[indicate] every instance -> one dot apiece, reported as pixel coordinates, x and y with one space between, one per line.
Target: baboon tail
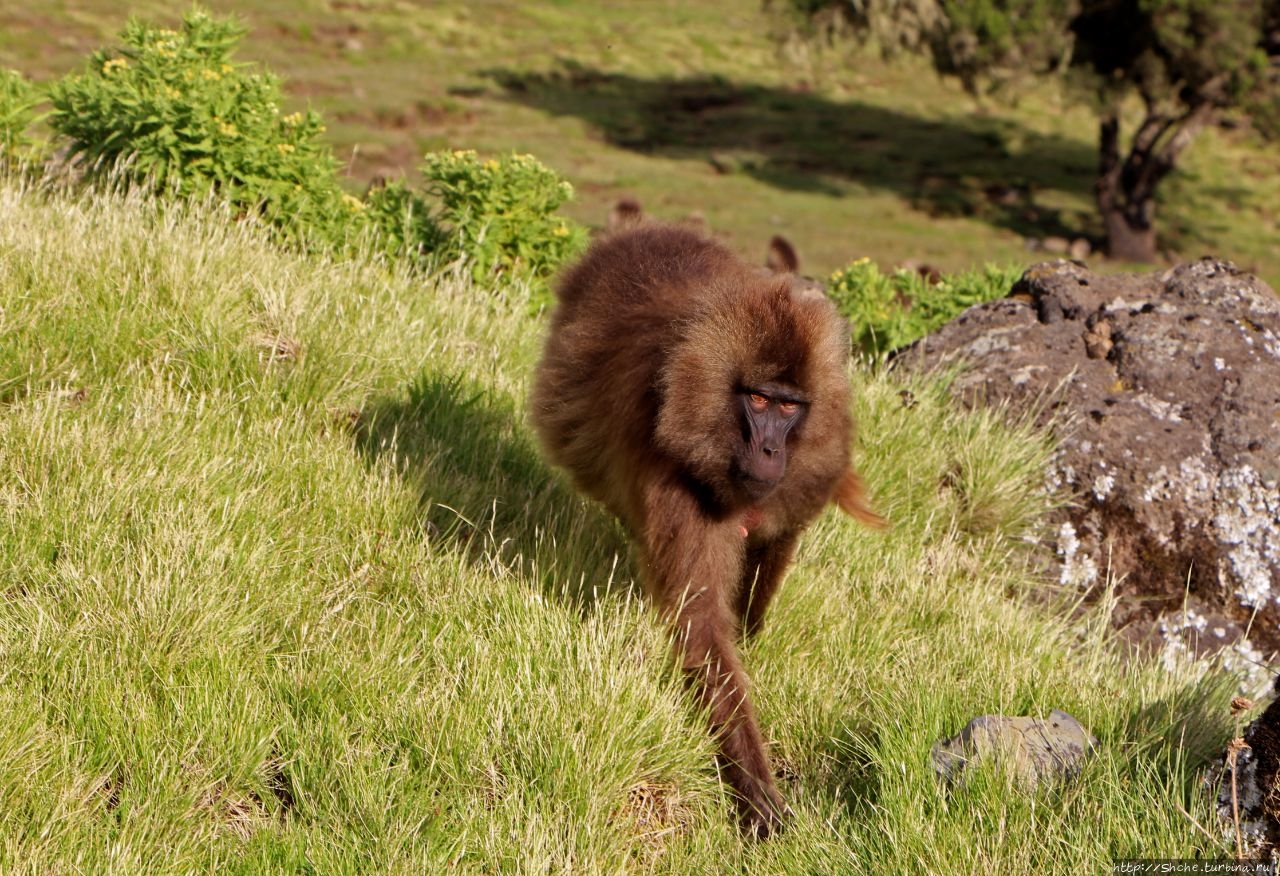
851 497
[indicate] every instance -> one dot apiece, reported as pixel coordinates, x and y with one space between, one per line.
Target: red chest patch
750 520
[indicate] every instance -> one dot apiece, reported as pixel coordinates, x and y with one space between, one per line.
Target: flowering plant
170 109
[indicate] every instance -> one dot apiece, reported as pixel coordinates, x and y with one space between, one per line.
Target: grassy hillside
286 588
692 107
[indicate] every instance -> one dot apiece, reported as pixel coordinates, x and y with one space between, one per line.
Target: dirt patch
421 114
385 161
653 812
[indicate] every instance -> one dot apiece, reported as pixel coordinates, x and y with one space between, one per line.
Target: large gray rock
1165 391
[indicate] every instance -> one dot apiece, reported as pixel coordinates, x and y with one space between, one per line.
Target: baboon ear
782 257
626 213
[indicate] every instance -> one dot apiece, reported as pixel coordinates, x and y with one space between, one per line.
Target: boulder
1164 389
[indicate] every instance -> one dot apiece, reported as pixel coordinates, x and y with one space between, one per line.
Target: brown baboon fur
657 332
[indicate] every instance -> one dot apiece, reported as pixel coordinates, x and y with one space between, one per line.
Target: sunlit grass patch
285 586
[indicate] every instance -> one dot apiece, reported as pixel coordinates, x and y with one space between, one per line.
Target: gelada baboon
705 403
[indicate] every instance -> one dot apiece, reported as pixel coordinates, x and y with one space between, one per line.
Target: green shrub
19 100
171 110
402 222
889 311
499 213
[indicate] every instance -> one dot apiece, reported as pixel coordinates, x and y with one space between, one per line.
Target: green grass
693 107
285 587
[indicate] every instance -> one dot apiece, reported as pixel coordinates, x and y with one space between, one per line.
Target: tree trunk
1126 189
1130 238
1126 196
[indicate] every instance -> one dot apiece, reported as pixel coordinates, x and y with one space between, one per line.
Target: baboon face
768 413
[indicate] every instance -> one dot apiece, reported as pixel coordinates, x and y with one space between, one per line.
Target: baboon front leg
693 569
693 566
762 572
703 632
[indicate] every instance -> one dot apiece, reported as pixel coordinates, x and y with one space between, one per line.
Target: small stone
1036 750
1097 340
1056 245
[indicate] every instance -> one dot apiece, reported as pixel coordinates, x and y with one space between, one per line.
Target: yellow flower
114 64
284 148
354 204
227 68
491 164
561 231
211 75
292 119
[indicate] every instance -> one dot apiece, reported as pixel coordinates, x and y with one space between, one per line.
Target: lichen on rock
1164 391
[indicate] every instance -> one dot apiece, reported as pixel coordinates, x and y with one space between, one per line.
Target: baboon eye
758 401
788 409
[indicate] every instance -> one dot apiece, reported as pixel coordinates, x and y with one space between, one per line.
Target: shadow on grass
483 487
848 769
1185 730
802 141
